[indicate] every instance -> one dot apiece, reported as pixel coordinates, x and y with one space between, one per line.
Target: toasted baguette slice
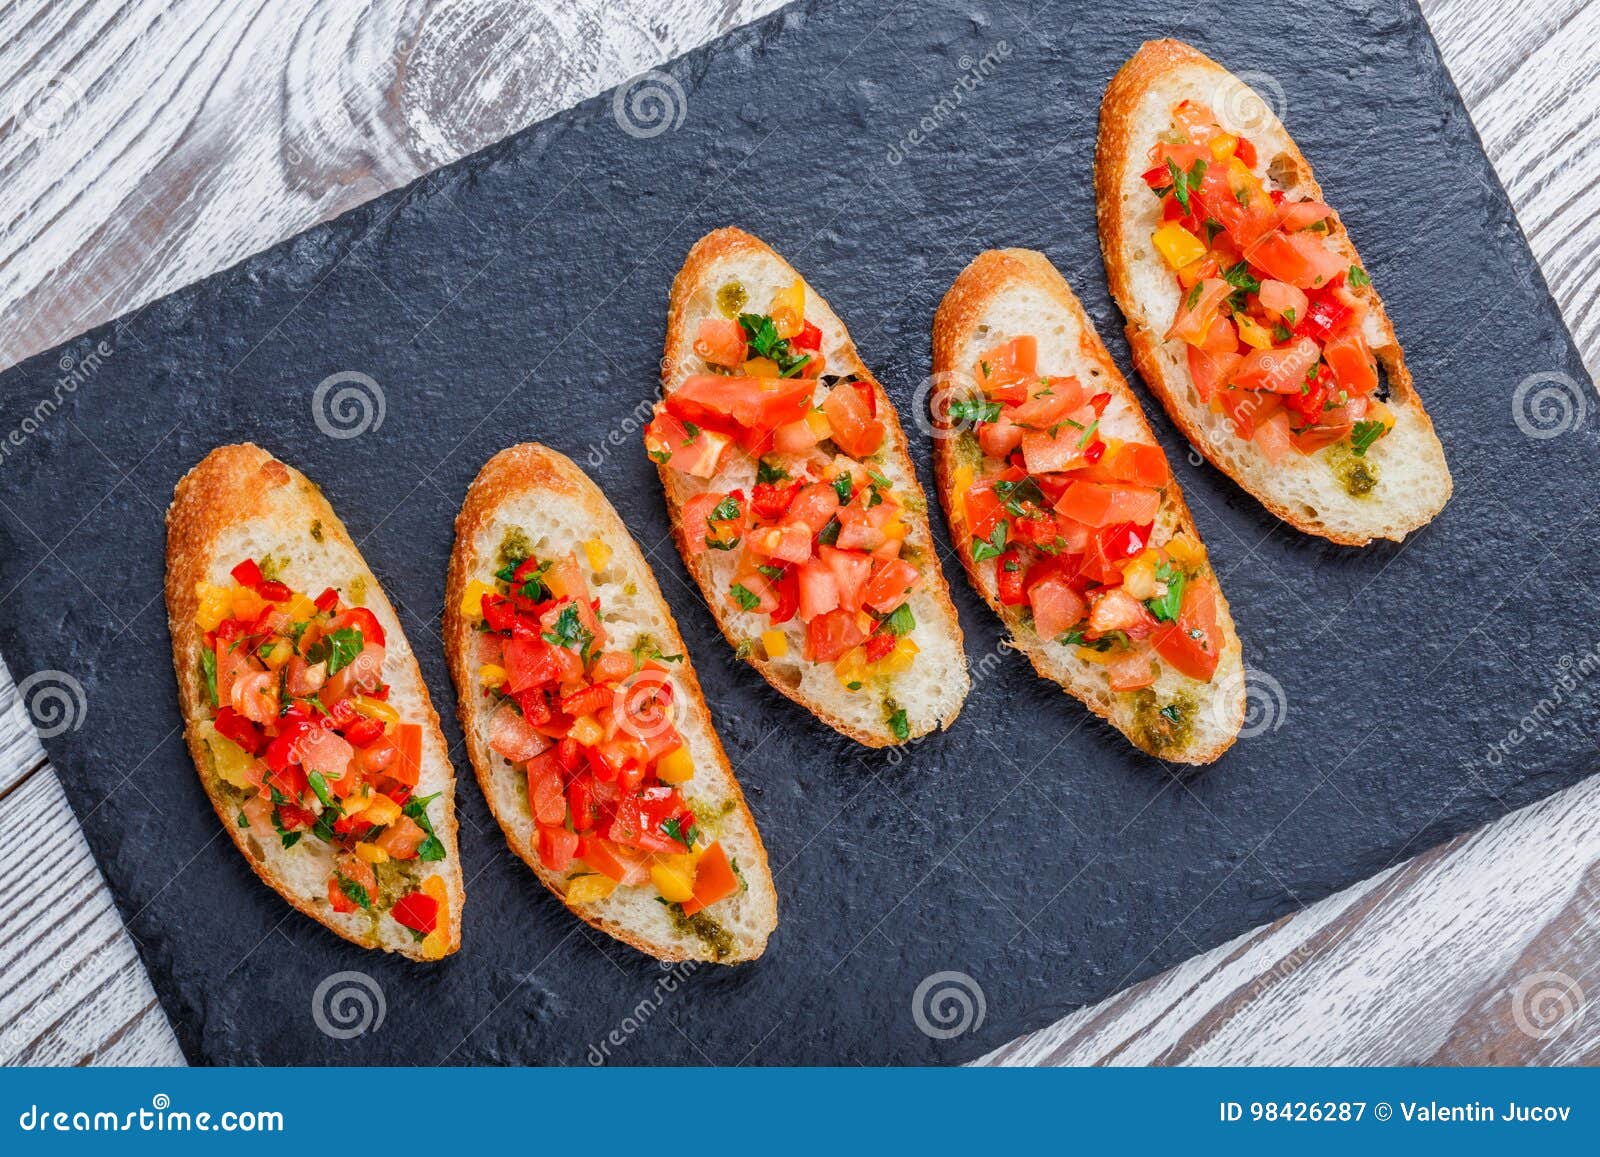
931 692
1402 482
534 494
242 503
1007 293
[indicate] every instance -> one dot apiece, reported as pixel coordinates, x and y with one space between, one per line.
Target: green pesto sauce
1159 727
710 933
1358 475
731 298
516 547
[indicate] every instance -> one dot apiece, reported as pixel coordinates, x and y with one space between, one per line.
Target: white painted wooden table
145 144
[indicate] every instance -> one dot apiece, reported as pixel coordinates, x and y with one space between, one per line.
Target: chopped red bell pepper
418 911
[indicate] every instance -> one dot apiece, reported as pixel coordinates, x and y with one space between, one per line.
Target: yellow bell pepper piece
895 528
1378 412
491 675
1090 655
437 942
1139 574
963 482
472 599
761 368
789 309
900 658
675 884
598 554
376 709
299 607
1177 246
247 605
372 853
381 810
276 652
216 604
1252 332
676 766
1186 551
586 731
775 644
1222 146
230 760
851 668
589 889
818 421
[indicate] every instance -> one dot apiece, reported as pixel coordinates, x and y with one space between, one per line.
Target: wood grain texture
146 144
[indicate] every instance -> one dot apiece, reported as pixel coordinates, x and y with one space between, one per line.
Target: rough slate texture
520 294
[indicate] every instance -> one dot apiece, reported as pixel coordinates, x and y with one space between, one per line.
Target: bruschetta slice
305 711
793 500
1067 517
1249 311
585 722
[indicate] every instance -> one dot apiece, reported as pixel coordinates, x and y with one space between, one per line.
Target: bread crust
706 254
1115 150
229 486
533 469
968 299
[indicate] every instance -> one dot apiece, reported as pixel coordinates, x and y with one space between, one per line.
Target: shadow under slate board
521 293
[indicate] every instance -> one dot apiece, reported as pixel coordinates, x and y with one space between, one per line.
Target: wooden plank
20 753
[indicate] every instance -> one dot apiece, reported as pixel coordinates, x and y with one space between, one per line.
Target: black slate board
520 294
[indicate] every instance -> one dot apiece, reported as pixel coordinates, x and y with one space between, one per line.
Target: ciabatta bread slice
1397 484
538 499
1010 293
242 503
886 710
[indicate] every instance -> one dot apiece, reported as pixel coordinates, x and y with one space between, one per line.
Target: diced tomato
230 724
247 574
362 620
809 338
1052 401
1298 215
417 911
362 731
832 634
557 848
721 342
532 662
1004 370
1325 315
1034 528
547 799
1247 408
788 542
407 767
889 586
998 438
1306 406
668 442
1351 361
1283 301
850 418
702 532
718 400
1099 504
324 750
984 508
1280 369
1272 435
1131 669
714 879
850 571
815 505
1057 608
1302 259
611 667
513 736
879 646
1111 545
1134 463
818 590
401 838
1314 438
1198 309
1009 572
1210 372
754 586
1045 453
1115 609
1193 644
